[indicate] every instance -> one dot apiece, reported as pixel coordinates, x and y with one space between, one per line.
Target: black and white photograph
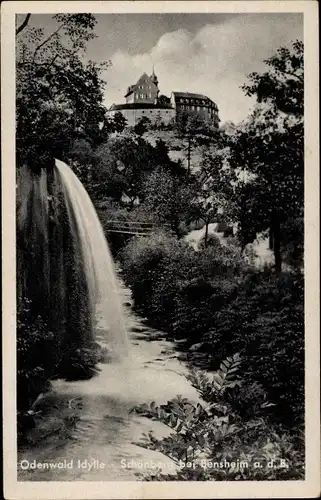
160 233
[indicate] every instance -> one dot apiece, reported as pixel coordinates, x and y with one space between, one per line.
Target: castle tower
154 78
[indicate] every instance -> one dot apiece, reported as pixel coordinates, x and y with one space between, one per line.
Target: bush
34 364
146 270
265 322
214 299
212 241
80 363
218 430
292 242
142 126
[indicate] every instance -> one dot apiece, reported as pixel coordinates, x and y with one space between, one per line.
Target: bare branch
24 24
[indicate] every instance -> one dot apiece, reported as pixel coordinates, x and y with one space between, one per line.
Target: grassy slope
177 146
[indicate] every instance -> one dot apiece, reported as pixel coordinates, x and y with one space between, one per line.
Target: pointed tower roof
154 77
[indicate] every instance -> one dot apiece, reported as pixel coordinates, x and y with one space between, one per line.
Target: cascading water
98 262
65 270
66 273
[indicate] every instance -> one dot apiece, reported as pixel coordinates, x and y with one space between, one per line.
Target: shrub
212 241
142 126
34 366
214 299
80 363
217 430
292 242
265 322
146 269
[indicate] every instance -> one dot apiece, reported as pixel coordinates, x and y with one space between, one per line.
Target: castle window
198 108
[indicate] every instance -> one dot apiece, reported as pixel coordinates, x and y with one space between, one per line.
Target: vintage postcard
160 249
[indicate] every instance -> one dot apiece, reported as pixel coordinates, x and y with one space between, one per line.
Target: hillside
177 146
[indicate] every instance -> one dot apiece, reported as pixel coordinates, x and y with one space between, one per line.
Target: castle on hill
142 100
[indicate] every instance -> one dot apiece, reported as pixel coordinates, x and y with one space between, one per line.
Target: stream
97 439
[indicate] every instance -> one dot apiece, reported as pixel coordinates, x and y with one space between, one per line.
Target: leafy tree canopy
283 84
269 149
59 95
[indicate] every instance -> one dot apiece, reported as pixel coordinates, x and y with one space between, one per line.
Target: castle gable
144 91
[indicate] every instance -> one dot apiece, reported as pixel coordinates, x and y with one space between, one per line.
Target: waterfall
98 262
65 271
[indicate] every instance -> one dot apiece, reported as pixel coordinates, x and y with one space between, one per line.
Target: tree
121 165
215 181
59 96
168 197
161 152
142 126
23 24
119 122
195 131
269 148
282 86
163 99
158 122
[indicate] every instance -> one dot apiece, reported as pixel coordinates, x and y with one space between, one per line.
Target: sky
210 54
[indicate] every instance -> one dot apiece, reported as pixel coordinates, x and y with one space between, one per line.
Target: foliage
214 183
216 430
213 298
292 242
58 97
163 99
119 122
195 131
269 149
126 164
121 164
80 363
37 365
142 126
282 86
144 260
212 241
169 196
265 322
34 368
30 337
